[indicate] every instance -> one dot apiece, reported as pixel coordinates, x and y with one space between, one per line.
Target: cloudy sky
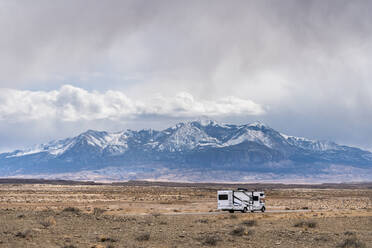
302 67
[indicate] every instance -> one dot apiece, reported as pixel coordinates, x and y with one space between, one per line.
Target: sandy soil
36 215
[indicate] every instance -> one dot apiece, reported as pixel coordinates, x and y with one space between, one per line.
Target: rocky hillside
196 147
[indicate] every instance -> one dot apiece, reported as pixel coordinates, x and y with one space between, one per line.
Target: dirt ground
42 215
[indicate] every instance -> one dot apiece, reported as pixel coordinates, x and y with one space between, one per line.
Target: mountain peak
206 122
92 132
258 124
196 123
202 145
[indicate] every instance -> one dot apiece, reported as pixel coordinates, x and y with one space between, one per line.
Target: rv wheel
263 209
231 211
244 210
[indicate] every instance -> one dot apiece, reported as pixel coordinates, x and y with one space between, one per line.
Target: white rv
241 200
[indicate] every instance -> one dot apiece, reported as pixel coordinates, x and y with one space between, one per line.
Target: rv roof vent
243 189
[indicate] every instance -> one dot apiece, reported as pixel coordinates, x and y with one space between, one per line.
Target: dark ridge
249 186
44 181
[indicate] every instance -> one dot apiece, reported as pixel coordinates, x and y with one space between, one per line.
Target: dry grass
352 242
155 214
25 234
249 223
204 221
130 214
50 221
303 223
106 239
238 231
211 240
143 237
98 211
71 210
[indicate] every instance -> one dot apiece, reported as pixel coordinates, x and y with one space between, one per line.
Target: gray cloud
307 61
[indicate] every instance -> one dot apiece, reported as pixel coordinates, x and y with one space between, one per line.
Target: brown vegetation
104 216
309 224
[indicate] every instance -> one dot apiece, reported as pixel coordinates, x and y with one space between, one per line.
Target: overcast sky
302 67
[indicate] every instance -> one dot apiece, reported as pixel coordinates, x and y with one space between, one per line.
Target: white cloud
309 61
71 104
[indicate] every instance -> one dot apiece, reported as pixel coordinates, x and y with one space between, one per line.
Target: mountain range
191 151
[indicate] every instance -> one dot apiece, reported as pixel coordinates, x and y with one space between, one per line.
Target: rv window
261 194
255 198
223 197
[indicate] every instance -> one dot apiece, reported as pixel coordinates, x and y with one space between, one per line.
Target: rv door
256 201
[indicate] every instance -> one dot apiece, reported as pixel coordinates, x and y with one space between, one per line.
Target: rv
241 200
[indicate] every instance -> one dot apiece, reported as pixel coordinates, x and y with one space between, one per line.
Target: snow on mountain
20 153
311 144
97 139
186 136
202 145
183 136
247 134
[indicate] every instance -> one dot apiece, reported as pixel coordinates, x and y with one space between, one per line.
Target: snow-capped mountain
196 147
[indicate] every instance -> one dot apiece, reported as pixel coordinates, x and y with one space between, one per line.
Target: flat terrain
46 215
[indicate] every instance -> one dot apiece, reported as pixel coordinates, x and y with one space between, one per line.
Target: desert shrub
204 221
233 216
107 239
312 224
352 242
143 237
24 234
163 223
238 231
50 221
305 208
155 214
98 211
348 233
299 224
20 216
309 224
249 223
211 240
321 239
71 209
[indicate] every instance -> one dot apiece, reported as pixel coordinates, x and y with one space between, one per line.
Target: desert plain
182 215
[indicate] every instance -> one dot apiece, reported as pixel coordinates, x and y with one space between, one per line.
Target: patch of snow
58 150
310 144
25 152
258 124
186 136
250 135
